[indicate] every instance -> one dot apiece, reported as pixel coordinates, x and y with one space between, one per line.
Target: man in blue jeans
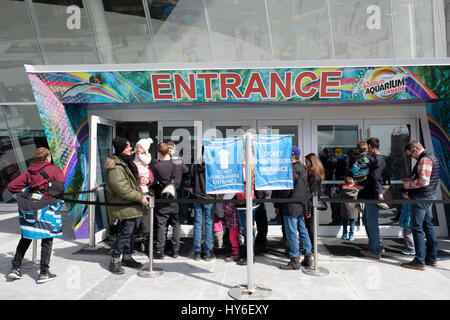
294 215
204 212
368 190
422 186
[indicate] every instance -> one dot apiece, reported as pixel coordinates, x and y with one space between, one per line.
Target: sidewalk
84 275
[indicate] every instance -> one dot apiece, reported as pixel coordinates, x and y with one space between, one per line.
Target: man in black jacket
294 215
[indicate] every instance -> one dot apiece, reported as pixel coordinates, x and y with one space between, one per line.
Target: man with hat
294 215
122 186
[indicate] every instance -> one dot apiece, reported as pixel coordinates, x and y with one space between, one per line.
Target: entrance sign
223 159
273 167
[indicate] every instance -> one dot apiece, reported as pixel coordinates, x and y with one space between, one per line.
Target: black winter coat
300 191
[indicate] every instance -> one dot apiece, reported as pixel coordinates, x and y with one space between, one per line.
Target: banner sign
224 168
273 157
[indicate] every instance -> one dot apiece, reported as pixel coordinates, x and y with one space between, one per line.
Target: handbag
170 191
322 206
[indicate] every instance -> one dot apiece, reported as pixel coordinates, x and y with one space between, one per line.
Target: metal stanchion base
156 272
241 293
320 271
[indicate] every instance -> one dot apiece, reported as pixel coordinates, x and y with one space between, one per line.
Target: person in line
35 180
294 215
218 223
122 186
421 185
167 170
405 223
142 161
204 212
231 222
262 226
360 169
368 190
349 211
316 173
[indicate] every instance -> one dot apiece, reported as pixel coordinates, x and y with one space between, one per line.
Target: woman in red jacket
34 179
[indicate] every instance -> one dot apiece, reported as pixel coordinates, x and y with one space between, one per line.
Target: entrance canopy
63 93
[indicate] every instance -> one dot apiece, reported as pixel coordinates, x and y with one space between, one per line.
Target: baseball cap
295 151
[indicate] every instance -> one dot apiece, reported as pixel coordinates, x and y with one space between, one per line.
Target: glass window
239 30
361 29
128 30
184 139
63 32
180 31
300 29
9 168
17 47
413 29
26 130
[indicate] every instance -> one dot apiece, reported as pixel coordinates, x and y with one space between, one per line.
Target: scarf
128 160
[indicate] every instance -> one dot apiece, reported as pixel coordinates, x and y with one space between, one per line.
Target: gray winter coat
348 210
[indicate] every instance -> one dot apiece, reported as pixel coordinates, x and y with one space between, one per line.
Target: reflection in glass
18 46
63 32
26 130
300 29
239 30
127 26
180 31
361 29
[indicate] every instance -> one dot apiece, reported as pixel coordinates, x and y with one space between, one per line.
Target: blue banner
273 156
223 159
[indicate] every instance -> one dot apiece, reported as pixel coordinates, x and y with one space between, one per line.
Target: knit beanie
120 144
145 143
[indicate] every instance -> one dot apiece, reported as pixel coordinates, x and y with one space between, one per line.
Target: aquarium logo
383 83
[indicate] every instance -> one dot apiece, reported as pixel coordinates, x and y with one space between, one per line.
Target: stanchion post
34 254
151 272
252 291
316 271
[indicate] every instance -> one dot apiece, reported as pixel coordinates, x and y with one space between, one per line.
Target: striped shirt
424 168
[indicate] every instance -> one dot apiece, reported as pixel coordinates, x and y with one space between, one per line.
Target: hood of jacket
38 166
350 192
111 162
200 167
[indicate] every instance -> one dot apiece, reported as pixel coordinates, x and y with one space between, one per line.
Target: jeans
125 239
370 220
206 213
242 217
46 251
421 222
294 225
349 222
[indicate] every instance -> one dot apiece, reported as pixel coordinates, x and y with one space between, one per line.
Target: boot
294 264
219 239
308 262
115 266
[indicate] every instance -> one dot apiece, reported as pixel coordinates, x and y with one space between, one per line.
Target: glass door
334 141
184 134
101 133
393 134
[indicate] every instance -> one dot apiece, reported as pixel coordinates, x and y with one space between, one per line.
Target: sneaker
175 254
411 265
15 274
232 259
369 254
383 206
294 264
116 267
131 263
409 252
198 256
344 236
208 256
351 237
46 277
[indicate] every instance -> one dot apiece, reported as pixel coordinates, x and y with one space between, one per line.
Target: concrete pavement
84 275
